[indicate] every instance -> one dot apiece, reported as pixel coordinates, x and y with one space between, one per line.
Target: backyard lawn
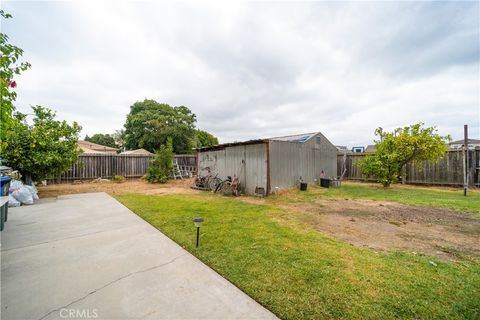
276 251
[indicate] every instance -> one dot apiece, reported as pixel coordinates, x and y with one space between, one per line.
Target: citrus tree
396 149
45 149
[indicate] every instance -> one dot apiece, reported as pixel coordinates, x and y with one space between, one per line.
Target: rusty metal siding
248 162
213 161
235 162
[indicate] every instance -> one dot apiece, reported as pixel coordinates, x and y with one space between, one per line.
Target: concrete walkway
88 256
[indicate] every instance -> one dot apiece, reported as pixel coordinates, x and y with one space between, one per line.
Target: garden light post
198 221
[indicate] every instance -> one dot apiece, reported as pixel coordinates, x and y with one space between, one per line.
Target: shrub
162 164
118 178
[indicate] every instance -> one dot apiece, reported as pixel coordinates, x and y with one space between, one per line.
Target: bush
162 164
118 178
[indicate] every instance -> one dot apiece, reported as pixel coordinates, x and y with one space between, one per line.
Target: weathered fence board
446 171
92 166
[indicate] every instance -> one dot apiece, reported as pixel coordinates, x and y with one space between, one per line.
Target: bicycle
229 186
208 182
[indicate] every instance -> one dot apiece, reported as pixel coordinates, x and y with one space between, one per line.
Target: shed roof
296 137
231 144
299 138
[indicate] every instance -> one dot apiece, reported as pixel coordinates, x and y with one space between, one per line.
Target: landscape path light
198 222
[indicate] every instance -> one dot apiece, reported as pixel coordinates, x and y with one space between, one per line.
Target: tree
149 125
43 150
204 139
9 67
404 145
162 164
118 137
103 139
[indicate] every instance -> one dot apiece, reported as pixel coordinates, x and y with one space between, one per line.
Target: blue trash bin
4 187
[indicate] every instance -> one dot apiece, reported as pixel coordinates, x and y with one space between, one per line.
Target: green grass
435 197
298 273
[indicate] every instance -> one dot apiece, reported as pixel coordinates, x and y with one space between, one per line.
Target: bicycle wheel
213 183
227 189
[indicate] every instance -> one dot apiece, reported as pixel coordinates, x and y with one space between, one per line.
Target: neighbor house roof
461 141
90 147
371 148
137 151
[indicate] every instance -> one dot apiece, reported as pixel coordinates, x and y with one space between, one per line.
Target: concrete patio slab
88 256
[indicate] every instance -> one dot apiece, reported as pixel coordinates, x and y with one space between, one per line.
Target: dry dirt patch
386 226
133 185
382 226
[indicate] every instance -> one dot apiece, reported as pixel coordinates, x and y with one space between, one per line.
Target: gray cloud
255 69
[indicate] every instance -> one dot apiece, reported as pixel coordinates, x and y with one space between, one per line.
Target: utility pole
465 159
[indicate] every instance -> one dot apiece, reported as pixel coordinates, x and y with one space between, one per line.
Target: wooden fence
447 171
92 166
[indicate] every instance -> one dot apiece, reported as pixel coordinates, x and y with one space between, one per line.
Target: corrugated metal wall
248 162
256 167
291 160
288 162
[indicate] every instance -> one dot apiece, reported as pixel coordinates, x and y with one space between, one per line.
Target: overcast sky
255 69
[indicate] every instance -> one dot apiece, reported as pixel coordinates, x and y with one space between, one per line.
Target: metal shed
271 163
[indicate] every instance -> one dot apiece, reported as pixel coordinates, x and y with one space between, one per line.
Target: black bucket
325 183
303 186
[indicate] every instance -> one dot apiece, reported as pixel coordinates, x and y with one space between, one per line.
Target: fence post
113 164
476 167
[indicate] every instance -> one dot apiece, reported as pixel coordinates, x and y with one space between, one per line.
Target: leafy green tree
149 125
404 145
162 164
204 139
9 68
103 139
43 150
